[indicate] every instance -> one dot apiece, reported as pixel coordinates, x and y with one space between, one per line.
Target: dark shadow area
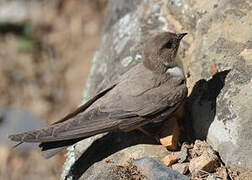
200 106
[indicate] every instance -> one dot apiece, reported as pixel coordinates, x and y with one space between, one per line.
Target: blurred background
46 50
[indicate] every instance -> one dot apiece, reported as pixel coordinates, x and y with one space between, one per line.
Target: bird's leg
148 134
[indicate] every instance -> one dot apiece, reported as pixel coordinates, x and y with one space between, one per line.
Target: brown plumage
150 91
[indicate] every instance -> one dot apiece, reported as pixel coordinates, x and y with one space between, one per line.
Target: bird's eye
167 45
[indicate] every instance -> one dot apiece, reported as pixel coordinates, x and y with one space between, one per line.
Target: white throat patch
175 71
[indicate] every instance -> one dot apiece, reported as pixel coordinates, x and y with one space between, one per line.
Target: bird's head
160 51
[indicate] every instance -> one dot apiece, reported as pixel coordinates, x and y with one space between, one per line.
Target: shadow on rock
106 146
201 105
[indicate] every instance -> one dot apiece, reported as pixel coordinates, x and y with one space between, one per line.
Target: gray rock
212 177
155 170
182 154
219 41
113 166
181 167
122 165
219 104
15 120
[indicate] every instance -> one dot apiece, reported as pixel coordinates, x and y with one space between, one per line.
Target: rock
105 168
114 171
154 170
222 172
207 162
130 171
183 153
200 147
170 159
144 168
212 177
15 120
213 70
181 167
216 54
219 103
169 134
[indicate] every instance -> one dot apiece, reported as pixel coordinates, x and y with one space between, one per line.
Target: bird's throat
175 71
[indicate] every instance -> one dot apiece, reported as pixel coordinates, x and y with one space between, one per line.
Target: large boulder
216 56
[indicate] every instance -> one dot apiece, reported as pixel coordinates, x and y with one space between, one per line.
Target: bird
149 92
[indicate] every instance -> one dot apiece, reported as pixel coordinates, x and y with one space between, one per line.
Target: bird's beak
180 36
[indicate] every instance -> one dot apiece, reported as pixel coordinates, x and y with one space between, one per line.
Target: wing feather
48 133
140 96
87 104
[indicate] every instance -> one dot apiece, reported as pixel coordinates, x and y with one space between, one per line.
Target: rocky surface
216 56
181 168
154 170
219 103
170 159
120 166
207 162
108 167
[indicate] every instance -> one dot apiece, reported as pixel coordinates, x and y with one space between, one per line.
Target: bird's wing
139 95
83 107
48 134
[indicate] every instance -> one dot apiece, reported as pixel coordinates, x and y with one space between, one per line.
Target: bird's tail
49 149
69 132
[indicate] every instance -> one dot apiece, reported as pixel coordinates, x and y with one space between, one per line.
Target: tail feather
88 124
55 144
32 136
49 149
